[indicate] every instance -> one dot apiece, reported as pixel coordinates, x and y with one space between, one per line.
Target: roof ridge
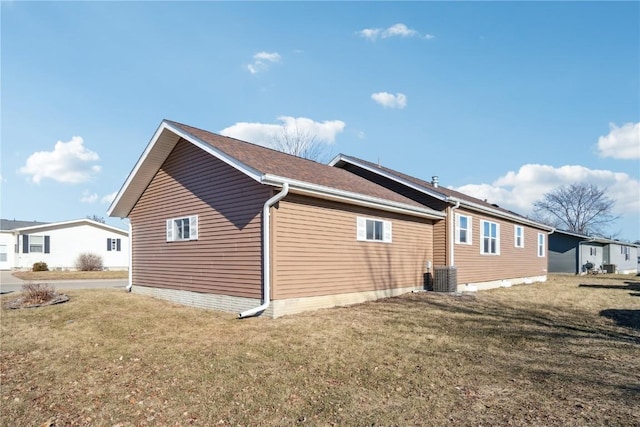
183 125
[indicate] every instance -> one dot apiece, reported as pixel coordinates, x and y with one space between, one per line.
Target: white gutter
503 214
328 193
452 235
266 263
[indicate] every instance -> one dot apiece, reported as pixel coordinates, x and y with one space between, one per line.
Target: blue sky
502 100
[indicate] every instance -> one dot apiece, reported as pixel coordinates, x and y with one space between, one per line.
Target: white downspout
266 246
452 237
130 284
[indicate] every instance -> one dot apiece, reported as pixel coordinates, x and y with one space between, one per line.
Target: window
463 229
518 232
38 244
490 239
541 246
184 228
593 251
624 250
373 230
114 245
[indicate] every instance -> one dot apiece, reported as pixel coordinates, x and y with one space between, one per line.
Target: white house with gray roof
23 243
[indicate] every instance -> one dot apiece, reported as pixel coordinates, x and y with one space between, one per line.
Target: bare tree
301 143
581 208
96 218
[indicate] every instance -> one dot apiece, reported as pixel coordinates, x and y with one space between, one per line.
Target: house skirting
504 283
277 308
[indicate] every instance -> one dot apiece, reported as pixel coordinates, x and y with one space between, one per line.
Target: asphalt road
10 283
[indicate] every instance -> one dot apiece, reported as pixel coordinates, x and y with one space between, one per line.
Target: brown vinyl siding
315 251
440 232
226 258
474 267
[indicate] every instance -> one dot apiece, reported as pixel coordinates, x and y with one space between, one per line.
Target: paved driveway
10 283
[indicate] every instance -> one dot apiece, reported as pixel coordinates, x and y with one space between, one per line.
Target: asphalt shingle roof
269 161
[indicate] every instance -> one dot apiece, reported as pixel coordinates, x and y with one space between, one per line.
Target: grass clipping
36 295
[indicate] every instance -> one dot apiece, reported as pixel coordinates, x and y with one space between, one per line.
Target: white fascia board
146 159
420 188
498 213
328 193
65 224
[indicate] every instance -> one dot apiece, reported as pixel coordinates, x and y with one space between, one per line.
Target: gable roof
264 165
12 224
595 239
438 192
46 226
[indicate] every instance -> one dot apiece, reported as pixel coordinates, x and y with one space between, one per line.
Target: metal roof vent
434 181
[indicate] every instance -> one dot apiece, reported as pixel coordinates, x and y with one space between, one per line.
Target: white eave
167 136
162 143
437 195
342 158
72 223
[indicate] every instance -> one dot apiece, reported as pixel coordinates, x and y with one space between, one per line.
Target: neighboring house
224 224
487 245
24 243
573 253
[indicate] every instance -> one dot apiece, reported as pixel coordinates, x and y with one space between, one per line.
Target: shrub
37 293
40 266
89 262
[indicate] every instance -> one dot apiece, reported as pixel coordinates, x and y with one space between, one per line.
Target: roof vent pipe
434 181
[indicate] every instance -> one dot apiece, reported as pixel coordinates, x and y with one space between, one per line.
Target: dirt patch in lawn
546 354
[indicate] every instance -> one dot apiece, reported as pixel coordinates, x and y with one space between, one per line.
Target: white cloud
264 133
262 61
109 197
396 30
518 190
621 142
69 162
88 197
389 100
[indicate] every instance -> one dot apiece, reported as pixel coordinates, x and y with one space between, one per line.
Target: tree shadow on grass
626 318
628 286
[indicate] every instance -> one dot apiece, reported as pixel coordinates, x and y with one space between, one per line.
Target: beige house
485 245
225 224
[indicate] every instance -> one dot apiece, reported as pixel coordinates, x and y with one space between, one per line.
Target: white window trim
515 236
172 231
482 236
469 229
361 230
542 245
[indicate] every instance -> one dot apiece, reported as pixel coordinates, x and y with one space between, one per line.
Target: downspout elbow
266 245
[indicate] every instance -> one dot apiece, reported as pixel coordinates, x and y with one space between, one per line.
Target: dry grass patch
70 275
552 354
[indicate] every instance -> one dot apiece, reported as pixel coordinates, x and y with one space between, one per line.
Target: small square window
184 228
373 230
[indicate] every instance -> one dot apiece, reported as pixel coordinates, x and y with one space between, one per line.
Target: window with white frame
593 251
489 238
518 233
373 230
463 229
183 228
541 245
